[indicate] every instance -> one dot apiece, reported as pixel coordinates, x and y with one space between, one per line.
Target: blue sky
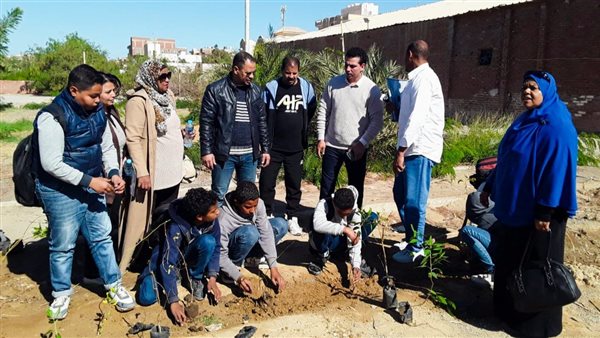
192 23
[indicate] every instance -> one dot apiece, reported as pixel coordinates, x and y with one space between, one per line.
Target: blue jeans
243 241
68 211
244 166
479 240
197 255
337 244
411 190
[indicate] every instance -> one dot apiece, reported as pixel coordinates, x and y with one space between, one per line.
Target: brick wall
560 36
14 87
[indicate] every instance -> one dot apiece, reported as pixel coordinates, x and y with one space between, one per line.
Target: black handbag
536 285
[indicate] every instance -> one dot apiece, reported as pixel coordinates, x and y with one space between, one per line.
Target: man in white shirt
420 145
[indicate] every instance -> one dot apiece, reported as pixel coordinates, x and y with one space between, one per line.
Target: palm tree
7 25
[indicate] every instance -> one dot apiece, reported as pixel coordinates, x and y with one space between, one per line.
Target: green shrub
8 129
589 149
5 105
185 104
34 105
194 154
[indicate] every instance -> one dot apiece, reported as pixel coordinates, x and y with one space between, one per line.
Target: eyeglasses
538 74
164 76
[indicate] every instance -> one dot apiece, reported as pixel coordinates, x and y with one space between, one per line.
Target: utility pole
343 42
247 35
283 9
84 58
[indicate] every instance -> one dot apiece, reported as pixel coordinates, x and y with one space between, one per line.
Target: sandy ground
328 305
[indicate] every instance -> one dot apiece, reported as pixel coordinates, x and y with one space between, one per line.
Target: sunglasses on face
164 76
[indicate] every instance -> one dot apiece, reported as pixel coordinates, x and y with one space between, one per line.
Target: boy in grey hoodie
247 233
338 227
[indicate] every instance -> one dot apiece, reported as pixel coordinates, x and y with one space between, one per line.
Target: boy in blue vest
71 160
190 240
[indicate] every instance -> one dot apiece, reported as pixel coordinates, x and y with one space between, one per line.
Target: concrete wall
560 36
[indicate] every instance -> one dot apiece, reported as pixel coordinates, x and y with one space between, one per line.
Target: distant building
138 46
166 49
351 12
288 31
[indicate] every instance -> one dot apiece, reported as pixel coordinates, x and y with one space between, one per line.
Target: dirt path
323 306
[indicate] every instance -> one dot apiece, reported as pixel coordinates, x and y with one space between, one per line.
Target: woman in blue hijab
534 191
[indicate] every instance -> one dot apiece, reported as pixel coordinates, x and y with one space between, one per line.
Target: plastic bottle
130 176
189 131
128 168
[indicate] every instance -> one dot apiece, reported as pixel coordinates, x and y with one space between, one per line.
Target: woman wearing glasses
534 191
155 145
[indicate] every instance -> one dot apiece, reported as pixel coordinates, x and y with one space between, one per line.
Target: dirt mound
311 293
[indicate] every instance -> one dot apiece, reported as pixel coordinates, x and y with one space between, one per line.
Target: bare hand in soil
178 312
277 279
245 285
214 289
356 274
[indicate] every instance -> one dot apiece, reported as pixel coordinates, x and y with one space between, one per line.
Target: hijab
147 78
537 159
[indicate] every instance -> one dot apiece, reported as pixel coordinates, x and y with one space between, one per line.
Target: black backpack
483 169
23 157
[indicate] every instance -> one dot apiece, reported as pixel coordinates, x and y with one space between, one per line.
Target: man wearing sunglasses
350 115
233 126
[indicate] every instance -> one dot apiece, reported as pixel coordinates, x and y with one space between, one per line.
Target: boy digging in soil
69 164
189 240
338 228
247 234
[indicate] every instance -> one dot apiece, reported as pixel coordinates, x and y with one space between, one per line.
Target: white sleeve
321 224
51 141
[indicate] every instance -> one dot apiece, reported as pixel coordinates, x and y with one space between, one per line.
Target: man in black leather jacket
233 126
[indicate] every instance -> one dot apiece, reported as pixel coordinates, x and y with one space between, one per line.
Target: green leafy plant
40 232
434 256
34 105
589 149
53 332
9 129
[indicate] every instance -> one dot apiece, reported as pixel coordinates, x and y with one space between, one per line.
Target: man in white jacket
338 227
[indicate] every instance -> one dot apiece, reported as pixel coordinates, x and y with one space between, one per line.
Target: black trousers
508 244
332 163
292 170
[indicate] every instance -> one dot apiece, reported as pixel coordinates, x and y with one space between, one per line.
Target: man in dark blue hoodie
190 242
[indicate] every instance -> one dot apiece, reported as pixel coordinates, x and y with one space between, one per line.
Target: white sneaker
256 263
293 227
408 256
484 279
59 308
121 299
401 245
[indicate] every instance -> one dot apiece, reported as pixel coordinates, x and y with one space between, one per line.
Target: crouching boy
247 234
338 228
70 159
189 239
